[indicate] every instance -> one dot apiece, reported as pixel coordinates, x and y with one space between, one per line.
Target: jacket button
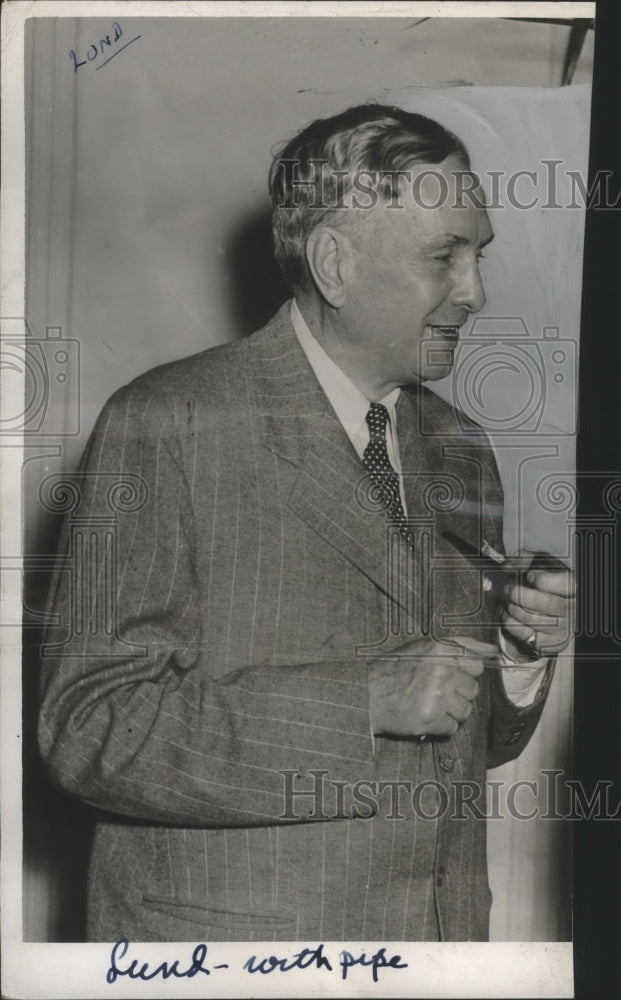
440 876
447 762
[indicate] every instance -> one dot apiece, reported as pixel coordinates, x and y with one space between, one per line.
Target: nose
468 290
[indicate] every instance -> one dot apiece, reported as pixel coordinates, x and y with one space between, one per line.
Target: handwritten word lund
107 47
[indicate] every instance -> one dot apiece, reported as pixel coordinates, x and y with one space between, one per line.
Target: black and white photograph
295 571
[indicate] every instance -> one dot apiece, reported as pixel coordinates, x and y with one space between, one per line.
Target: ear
328 255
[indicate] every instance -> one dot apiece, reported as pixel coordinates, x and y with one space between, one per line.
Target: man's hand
539 606
427 688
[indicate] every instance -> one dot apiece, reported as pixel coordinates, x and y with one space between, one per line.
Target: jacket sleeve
134 718
510 726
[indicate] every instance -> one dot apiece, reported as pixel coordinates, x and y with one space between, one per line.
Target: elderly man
288 724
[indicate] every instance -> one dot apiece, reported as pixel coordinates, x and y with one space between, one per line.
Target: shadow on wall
257 286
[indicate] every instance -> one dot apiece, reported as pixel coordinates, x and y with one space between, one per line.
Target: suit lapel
286 397
411 443
331 496
443 490
331 493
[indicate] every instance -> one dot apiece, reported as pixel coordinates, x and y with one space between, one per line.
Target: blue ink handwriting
307 958
377 961
301 960
100 48
165 970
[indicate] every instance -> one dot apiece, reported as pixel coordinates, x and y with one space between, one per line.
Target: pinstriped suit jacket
253 583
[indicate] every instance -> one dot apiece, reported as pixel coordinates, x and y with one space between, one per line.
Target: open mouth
445 333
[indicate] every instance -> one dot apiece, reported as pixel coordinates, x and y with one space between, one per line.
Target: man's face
414 281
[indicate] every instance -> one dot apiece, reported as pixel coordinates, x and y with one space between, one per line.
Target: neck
323 322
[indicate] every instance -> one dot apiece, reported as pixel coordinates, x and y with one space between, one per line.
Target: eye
444 257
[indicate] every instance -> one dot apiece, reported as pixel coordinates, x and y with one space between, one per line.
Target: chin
433 373
437 362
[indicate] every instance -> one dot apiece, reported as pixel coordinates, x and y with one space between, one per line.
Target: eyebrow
452 239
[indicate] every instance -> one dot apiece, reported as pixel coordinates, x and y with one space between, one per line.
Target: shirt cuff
521 683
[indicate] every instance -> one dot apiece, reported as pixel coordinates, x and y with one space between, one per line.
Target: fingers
536 601
445 699
472 667
545 613
544 572
454 653
433 688
517 629
457 711
466 686
459 648
561 583
447 725
456 706
545 643
538 623
459 708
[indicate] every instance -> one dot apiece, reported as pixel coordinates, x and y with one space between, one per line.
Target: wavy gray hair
312 175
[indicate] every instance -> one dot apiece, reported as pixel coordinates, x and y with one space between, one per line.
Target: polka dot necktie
377 463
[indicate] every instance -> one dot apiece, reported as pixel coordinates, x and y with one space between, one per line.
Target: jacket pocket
239 922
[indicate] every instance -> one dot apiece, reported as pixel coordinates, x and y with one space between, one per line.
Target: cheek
417 302
434 300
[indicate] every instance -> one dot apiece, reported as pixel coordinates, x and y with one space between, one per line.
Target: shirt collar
347 401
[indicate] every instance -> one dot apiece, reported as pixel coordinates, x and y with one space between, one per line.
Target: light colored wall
155 164
147 194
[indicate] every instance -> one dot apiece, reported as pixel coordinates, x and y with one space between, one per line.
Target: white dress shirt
351 407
